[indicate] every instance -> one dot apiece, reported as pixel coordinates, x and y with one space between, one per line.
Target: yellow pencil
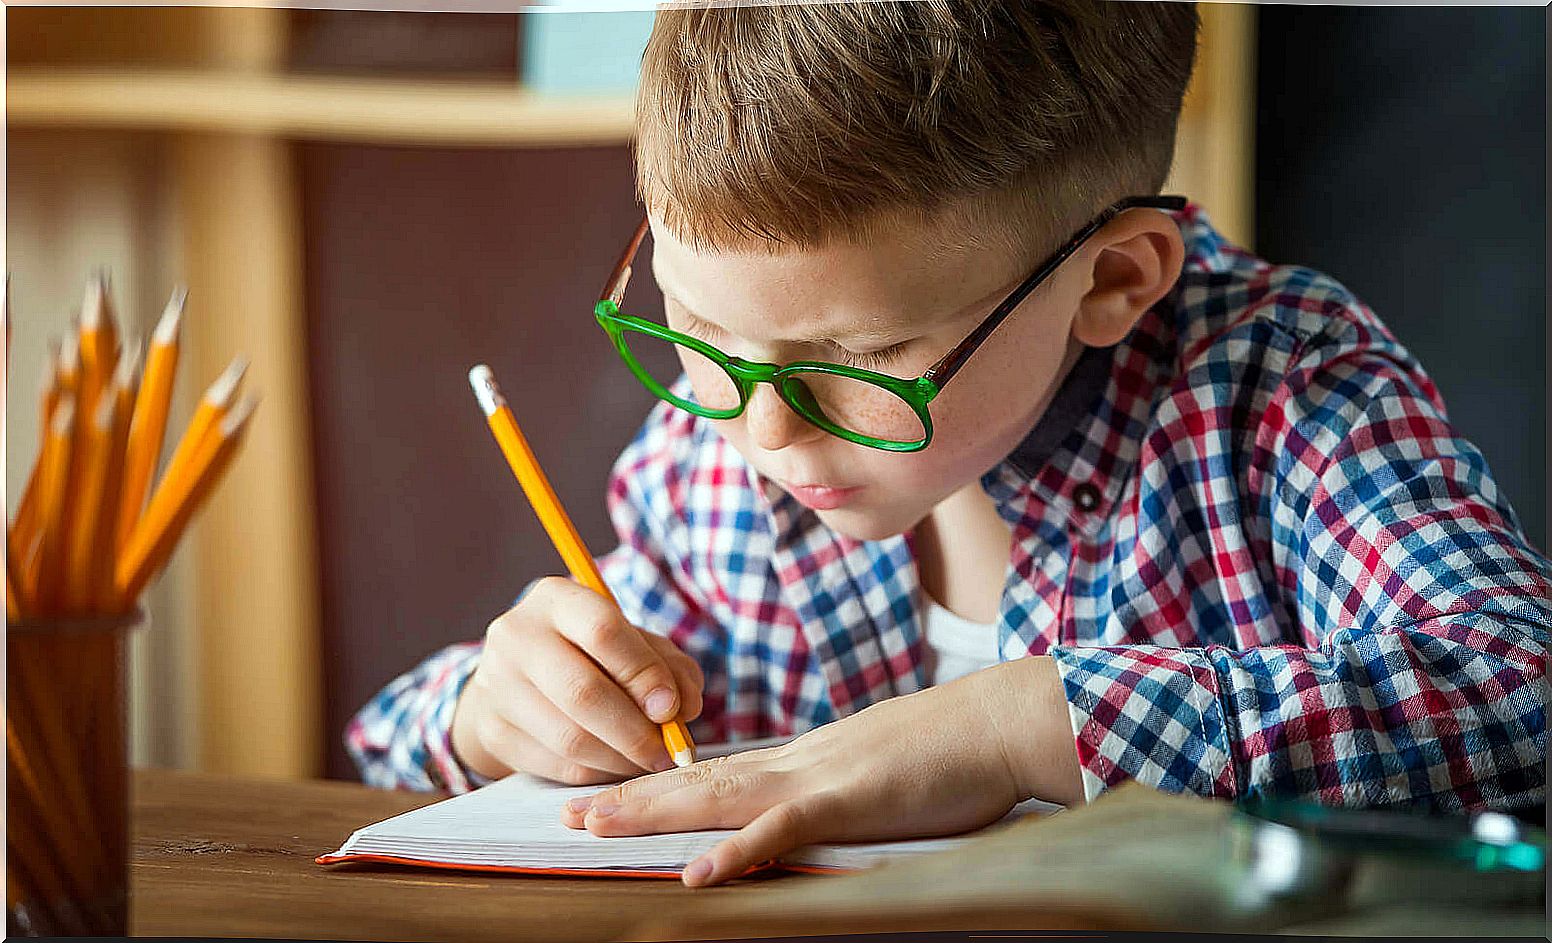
47 570
104 594
176 499
149 425
212 406
557 523
99 345
75 382
94 461
22 535
89 580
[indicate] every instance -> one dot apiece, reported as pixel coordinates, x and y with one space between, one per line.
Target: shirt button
1086 497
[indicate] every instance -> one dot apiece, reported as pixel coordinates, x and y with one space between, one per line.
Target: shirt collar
1078 458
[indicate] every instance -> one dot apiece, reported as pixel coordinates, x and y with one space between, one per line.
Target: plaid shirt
1260 556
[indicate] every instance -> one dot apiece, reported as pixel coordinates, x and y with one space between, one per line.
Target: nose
771 423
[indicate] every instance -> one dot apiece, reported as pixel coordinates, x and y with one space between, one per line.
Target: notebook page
515 822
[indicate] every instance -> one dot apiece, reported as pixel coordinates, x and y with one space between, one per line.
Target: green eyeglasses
858 405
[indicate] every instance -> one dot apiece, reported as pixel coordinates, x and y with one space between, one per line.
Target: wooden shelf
315 107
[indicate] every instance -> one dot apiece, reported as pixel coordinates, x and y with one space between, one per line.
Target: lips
821 497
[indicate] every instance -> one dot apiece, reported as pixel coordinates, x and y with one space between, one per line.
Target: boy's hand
941 761
567 689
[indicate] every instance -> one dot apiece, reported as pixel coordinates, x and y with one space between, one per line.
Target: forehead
910 276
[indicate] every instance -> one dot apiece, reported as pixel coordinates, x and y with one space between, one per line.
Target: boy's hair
802 123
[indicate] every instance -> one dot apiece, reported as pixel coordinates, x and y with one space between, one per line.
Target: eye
874 359
686 323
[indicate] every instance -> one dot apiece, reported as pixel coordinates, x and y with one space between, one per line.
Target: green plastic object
795 382
1484 841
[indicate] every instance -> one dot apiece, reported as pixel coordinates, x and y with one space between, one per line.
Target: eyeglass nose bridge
749 373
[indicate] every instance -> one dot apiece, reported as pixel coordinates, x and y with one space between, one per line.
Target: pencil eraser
484 383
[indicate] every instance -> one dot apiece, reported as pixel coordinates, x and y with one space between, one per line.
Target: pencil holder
67 777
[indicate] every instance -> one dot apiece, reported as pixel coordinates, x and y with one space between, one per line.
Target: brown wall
421 263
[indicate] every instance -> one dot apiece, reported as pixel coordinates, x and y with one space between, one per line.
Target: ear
1136 261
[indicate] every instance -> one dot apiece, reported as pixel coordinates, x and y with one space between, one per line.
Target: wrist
1036 736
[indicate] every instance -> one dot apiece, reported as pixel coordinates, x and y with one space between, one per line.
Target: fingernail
603 810
580 803
697 872
659 703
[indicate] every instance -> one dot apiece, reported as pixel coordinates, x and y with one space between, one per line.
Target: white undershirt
955 646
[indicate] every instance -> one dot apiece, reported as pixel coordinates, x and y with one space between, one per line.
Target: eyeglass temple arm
942 371
614 288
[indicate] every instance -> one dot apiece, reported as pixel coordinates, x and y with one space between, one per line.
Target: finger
721 795
688 677
574 684
773 833
523 753
521 705
597 627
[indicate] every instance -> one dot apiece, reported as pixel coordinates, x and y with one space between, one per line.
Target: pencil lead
220 392
238 416
172 318
92 304
129 365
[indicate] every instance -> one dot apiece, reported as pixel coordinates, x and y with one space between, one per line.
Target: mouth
821 497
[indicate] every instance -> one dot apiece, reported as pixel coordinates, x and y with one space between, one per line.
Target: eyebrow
981 305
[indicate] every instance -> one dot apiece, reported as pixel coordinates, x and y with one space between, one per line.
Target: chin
863 525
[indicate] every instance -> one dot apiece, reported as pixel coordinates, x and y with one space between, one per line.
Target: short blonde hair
802 123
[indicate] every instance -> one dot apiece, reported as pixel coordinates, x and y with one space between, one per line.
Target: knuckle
571 743
702 773
501 626
548 586
585 690
788 818
597 628
647 747
645 675
727 786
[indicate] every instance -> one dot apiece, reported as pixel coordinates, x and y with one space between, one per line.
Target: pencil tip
172 318
683 758
238 416
226 384
91 305
129 364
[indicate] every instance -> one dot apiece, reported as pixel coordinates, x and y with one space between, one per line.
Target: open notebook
514 824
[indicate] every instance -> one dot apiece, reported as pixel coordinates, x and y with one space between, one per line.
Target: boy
1181 516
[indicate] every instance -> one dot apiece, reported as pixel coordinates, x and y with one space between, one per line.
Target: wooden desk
222 857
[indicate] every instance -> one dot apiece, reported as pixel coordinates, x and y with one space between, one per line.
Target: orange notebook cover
514 825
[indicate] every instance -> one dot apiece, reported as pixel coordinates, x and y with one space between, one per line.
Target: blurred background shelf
386 110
